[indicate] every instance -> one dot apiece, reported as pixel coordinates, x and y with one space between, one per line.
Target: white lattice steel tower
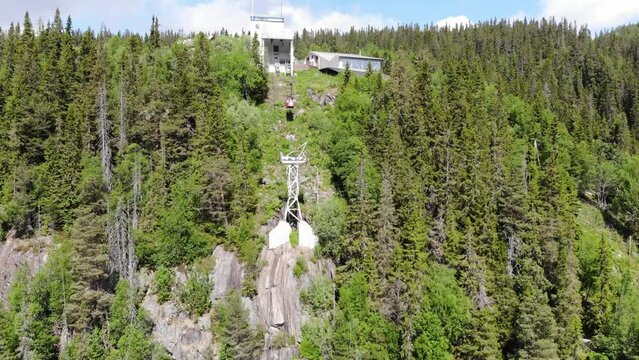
294 159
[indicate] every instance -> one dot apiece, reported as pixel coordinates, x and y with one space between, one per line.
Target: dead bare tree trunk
122 141
438 235
537 154
476 271
117 235
24 347
386 223
132 259
132 264
64 332
524 170
483 300
137 193
122 252
512 249
317 185
105 146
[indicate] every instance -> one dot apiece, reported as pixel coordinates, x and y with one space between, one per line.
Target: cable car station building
276 44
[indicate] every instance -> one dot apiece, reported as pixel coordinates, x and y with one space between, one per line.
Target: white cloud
597 14
112 13
301 17
234 15
453 21
209 16
206 15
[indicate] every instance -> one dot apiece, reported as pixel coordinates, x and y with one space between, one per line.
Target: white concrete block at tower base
280 235
307 238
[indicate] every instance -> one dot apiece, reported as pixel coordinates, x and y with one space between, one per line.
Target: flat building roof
330 55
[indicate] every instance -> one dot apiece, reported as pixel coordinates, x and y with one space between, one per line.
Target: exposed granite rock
277 303
265 229
15 253
182 336
321 99
280 354
276 307
228 273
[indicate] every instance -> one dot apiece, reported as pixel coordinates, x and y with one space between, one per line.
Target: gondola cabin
290 102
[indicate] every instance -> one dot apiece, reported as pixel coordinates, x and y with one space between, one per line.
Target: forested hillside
484 203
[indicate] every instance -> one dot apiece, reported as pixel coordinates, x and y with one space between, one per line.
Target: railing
274 19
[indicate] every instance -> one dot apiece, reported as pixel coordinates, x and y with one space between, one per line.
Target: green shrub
249 251
300 267
447 300
249 285
328 220
204 265
319 296
180 238
164 279
195 295
295 237
241 235
281 340
317 336
134 344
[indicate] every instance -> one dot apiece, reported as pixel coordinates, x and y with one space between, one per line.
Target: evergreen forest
482 190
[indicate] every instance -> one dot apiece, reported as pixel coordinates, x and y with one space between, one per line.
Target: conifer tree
603 300
154 34
535 327
237 338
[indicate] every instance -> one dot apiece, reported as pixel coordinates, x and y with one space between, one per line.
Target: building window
276 48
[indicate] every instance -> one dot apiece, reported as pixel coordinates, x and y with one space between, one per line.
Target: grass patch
300 267
316 81
295 237
592 228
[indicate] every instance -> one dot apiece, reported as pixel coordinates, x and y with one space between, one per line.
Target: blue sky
210 15
421 12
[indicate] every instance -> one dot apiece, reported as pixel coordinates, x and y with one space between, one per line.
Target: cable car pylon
293 160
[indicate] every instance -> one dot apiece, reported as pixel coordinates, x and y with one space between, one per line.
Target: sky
211 15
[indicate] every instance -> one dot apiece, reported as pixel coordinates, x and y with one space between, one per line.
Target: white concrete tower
276 43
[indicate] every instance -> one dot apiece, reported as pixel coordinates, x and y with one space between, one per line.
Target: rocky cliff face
228 273
16 253
276 307
181 335
278 304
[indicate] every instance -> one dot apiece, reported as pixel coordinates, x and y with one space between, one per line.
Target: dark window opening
276 48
